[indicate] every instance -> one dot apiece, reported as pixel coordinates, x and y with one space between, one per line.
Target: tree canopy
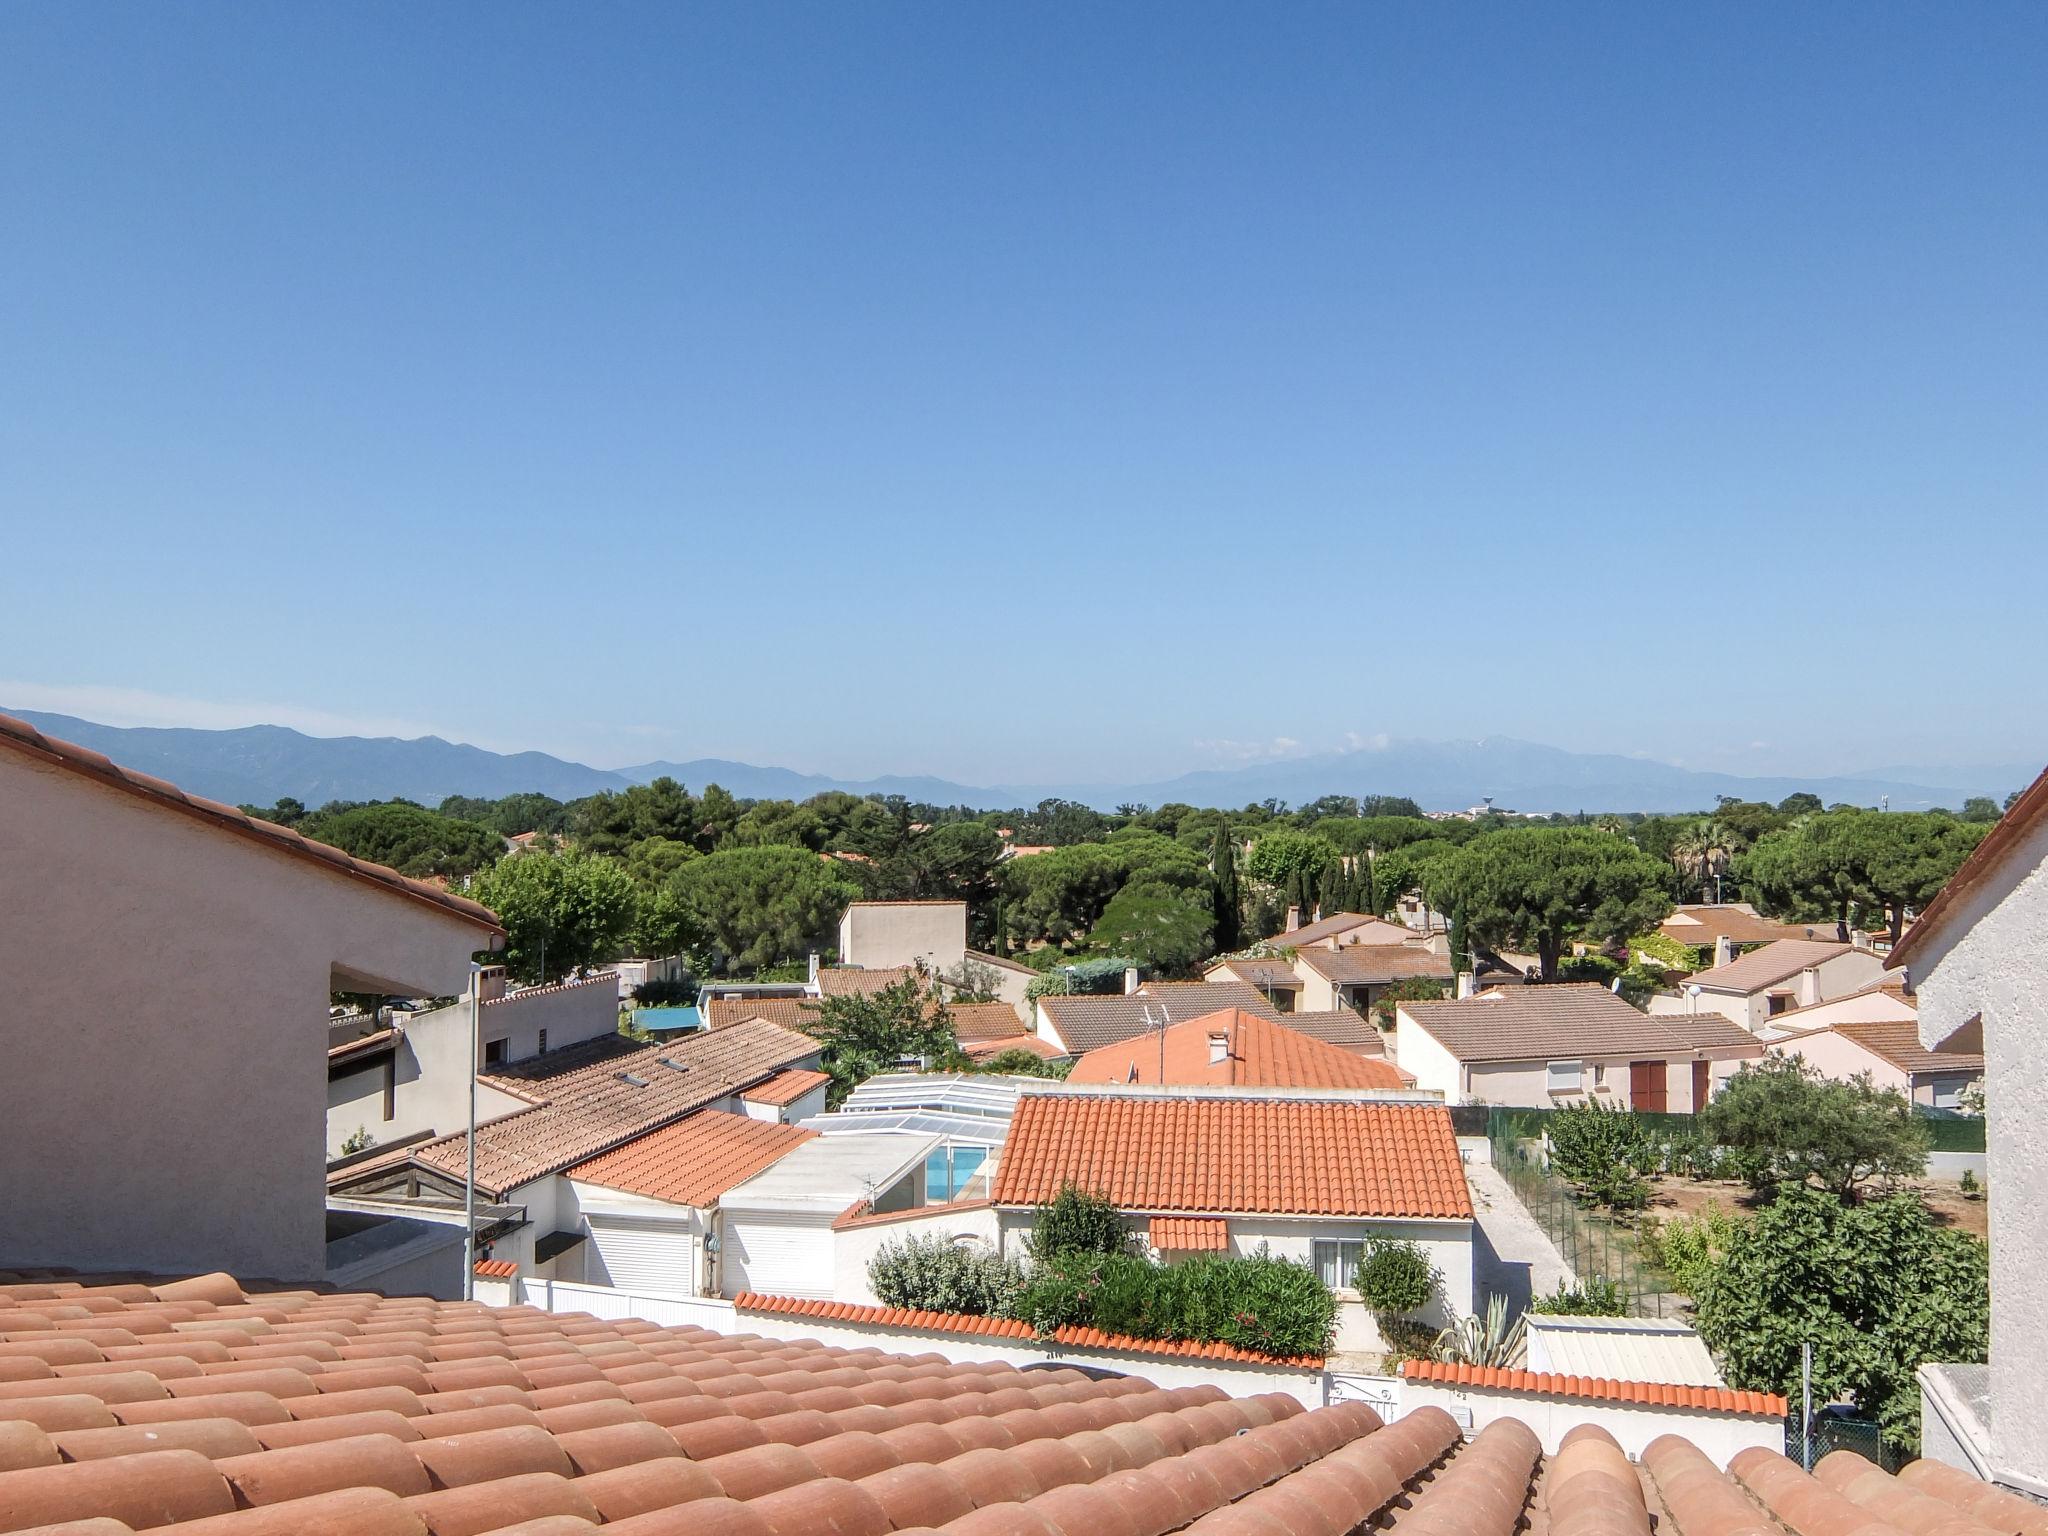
1786 1124
562 912
410 838
758 906
1538 887
869 1033
1833 865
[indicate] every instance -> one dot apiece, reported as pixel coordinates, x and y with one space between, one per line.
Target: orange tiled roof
696 1160
787 1087
1662 1394
496 1269
30 742
1190 1234
984 1021
796 1013
1002 1328
161 1406
859 981
1259 1054
1226 1156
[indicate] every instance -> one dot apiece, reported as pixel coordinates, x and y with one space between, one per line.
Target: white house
880 935
167 965
1976 963
1544 1047
1889 1052
1223 1171
1775 978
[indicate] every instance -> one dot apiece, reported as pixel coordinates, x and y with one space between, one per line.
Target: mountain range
259 764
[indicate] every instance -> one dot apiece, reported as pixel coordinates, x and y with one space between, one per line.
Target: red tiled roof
2008 835
1002 1328
1228 1156
1259 1053
496 1269
984 1021
158 1405
786 1087
796 1013
859 981
1190 1234
696 1160
30 742
1661 1394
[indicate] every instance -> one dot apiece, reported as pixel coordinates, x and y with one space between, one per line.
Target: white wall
1718 1435
800 1108
880 934
1419 1052
854 1245
1993 962
171 1114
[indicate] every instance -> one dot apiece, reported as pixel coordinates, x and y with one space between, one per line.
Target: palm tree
1701 854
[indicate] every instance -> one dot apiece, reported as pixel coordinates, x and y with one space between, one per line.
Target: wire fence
1832 1432
1600 1248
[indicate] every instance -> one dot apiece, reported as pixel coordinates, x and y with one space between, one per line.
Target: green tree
1284 854
1536 888
614 820
410 838
1835 864
962 861
871 1033
511 814
1799 803
779 823
1461 942
1223 871
1876 1288
1077 1222
1980 808
1783 1124
761 906
1166 928
562 912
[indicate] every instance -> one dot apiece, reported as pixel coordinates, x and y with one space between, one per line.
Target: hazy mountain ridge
256 765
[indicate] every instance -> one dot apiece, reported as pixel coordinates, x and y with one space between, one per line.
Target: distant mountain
257 764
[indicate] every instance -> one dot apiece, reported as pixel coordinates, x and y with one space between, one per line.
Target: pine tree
1297 895
1223 866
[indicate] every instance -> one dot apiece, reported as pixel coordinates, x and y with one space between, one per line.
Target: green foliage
1257 1303
1460 942
1845 861
1690 1248
1021 1063
562 912
358 1140
1081 978
1876 1288
1667 952
1484 1340
613 821
1165 928
1283 855
410 838
666 993
1597 1297
1968 1186
1783 1123
933 1274
1537 887
758 906
1605 1154
511 815
867 1034
1075 1221
1223 873
961 861
1409 989
1980 808
1394 1277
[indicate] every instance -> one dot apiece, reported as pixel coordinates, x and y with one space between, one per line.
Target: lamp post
476 1032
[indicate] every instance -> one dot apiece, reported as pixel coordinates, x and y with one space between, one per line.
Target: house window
542 1048
1777 1003
949 1170
494 1052
1599 1075
1563 1077
1336 1261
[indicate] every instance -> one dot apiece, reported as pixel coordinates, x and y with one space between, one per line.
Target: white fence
671 1309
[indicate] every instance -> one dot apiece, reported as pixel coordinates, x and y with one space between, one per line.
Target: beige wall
878 935
1846 973
171 1114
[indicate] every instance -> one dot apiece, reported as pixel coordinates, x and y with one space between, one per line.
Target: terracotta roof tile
787 1087
1700 926
1768 965
1340 925
695 1160
984 1021
1190 1234
982 1050
1227 1156
1373 964
496 1269
25 739
857 981
793 1013
1570 1020
1898 1042
1653 1393
1257 1052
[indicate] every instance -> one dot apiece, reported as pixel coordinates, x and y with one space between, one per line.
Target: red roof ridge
2006 835
564 985
30 742
1006 1327
1598 1388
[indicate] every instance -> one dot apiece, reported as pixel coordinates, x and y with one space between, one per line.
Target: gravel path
1511 1255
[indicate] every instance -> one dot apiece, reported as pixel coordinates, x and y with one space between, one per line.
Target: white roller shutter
778 1253
641 1255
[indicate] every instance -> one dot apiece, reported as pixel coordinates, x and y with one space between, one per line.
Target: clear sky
1010 392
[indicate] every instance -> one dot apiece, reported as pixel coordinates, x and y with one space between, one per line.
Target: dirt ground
1686 1197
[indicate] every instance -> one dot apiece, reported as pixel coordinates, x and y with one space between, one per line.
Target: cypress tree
1461 946
1297 895
1330 892
1223 866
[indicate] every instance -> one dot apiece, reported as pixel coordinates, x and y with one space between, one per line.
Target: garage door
777 1254
641 1255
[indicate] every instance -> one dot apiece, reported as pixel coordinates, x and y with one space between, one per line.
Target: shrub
1689 1248
1968 1185
1411 989
1786 1124
1395 1277
1020 1063
1597 1297
1606 1154
1075 1221
1081 977
1487 1341
358 1140
932 1274
679 992
1256 1303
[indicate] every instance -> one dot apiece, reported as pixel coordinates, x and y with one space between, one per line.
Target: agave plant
1489 1341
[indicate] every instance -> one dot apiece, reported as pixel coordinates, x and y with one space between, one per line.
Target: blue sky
1021 392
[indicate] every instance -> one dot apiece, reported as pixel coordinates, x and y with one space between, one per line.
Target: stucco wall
1718 1435
1991 958
1839 1057
882 934
854 1246
1419 1052
172 1115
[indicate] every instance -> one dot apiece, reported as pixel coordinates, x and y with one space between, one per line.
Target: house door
1702 1085
1646 1085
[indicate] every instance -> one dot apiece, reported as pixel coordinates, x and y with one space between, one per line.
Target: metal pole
476 1011
1806 1406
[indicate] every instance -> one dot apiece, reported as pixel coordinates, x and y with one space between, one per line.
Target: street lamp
476 1032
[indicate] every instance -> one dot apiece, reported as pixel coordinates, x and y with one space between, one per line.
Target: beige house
1549 1046
1891 1054
1976 963
1271 976
1341 928
176 957
1354 975
1774 979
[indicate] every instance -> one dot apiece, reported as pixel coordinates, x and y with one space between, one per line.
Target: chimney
1464 984
490 983
1293 919
1219 1047
1724 950
814 968
1130 981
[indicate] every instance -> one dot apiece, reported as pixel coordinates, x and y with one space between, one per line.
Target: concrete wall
1419 1052
853 1246
172 1113
879 934
1991 960
1718 1435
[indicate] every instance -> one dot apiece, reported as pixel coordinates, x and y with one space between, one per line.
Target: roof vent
631 1081
673 1066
